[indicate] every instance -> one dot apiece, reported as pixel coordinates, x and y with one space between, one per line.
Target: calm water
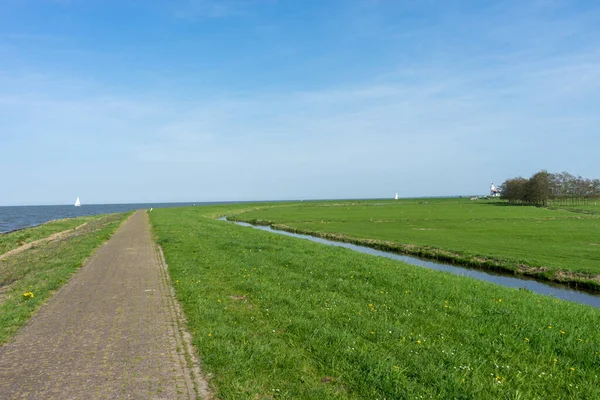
12 218
563 292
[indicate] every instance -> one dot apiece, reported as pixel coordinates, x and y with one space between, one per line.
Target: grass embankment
42 269
12 240
556 245
278 317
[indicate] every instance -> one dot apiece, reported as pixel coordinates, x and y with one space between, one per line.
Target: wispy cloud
205 9
442 114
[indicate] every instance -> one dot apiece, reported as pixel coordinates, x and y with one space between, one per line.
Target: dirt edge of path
195 379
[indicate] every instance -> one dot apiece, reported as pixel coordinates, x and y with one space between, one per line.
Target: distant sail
396 198
77 202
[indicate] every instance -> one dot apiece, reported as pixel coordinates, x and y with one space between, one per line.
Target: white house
494 192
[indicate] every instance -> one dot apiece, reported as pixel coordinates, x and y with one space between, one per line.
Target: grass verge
277 317
12 240
28 279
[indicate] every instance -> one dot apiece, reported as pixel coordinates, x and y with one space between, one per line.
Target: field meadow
560 245
278 317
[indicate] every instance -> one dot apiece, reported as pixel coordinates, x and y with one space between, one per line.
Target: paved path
112 332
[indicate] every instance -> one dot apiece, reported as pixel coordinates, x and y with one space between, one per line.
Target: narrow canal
559 291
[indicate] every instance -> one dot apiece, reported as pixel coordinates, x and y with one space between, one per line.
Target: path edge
68 278
195 379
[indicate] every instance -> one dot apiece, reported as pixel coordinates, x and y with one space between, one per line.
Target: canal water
559 291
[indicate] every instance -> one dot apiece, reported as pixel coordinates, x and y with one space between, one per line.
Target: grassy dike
278 317
12 240
554 245
42 269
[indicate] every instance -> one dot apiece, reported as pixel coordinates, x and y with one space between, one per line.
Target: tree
544 187
538 189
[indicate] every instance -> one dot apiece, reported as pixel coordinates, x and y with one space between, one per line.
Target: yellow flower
418 341
372 333
555 361
572 369
219 300
499 300
549 326
210 335
527 339
563 332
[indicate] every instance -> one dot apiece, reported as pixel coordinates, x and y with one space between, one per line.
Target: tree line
544 188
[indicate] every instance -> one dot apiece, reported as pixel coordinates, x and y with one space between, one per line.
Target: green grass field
43 269
278 317
559 245
12 240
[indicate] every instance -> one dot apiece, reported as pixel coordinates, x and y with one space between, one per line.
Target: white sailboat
396 198
77 202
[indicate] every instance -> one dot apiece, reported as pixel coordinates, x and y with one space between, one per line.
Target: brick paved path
112 332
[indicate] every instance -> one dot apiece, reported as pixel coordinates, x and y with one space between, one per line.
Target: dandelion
572 369
549 326
499 300
219 300
555 361
527 340
419 342
28 295
372 333
210 335
563 332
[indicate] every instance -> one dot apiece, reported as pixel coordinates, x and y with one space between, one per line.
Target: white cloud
420 128
203 9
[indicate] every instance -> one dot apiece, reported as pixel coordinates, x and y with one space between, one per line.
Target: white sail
396 198
77 202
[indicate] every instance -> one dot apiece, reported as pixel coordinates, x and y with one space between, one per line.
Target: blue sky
205 100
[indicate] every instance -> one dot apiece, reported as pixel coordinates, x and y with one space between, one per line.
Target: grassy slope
43 269
278 317
12 240
537 237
